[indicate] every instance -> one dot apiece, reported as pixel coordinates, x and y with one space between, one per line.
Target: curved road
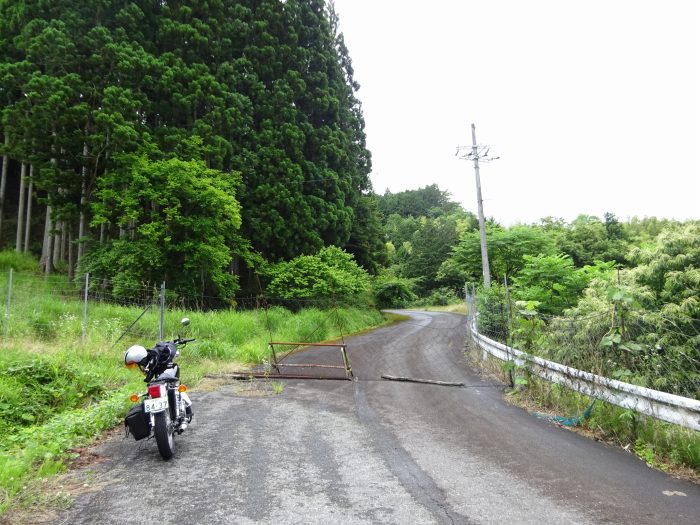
375 451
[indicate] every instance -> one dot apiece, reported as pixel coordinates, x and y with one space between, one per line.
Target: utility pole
477 153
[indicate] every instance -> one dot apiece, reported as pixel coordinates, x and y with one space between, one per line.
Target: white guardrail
661 405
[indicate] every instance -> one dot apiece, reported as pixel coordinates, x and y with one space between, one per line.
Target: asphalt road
376 451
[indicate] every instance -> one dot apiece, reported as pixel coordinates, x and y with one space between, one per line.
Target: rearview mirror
185 321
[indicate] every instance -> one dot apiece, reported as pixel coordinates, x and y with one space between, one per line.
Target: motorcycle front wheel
163 432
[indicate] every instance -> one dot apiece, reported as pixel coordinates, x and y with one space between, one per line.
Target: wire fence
95 310
654 349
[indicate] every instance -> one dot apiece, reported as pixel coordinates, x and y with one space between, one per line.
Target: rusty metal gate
277 365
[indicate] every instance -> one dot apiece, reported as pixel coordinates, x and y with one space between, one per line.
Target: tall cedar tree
265 86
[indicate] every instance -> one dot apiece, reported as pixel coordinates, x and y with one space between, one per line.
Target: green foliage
19 262
492 320
181 220
551 281
506 247
393 292
638 325
430 247
442 297
419 246
266 87
588 239
644 230
399 230
41 450
332 273
528 330
366 238
671 268
33 387
429 201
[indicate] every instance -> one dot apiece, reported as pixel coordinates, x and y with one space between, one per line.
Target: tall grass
60 388
661 445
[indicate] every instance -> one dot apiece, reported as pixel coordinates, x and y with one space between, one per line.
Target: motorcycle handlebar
182 341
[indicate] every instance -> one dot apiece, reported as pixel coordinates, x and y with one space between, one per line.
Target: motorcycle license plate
155 405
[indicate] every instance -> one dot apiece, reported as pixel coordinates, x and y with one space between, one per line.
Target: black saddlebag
137 422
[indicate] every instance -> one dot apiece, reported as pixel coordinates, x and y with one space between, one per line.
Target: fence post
484 353
7 306
509 336
162 310
85 302
466 302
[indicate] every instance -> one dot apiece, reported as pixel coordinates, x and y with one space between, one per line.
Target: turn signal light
134 398
182 388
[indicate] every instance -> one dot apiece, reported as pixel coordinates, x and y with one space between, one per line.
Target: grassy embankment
59 391
663 446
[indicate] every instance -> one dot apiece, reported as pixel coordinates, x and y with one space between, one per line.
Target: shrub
33 387
19 262
493 316
552 281
393 292
330 273
443 296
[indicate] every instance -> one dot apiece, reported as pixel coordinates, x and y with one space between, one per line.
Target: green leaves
551 280
182 219
265 86
34 387
507 249
331 273
618 294
611 340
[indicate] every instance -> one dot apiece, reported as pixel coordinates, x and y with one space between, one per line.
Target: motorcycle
165 409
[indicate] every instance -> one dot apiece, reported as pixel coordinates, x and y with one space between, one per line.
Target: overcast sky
592 106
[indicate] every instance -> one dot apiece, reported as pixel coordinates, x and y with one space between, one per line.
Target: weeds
661 445
59 390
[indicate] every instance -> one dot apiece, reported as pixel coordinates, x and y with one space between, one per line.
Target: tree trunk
42 258
28 224
64 239
20 211
47 251
3 179
83 200
71 256
57 242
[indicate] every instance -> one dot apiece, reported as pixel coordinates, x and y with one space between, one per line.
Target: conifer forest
141 139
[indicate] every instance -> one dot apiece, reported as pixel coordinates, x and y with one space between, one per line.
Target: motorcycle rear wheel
164 434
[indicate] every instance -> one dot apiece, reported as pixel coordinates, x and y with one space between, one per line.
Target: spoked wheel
164 433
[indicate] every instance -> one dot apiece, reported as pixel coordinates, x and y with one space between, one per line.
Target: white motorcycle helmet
135 355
